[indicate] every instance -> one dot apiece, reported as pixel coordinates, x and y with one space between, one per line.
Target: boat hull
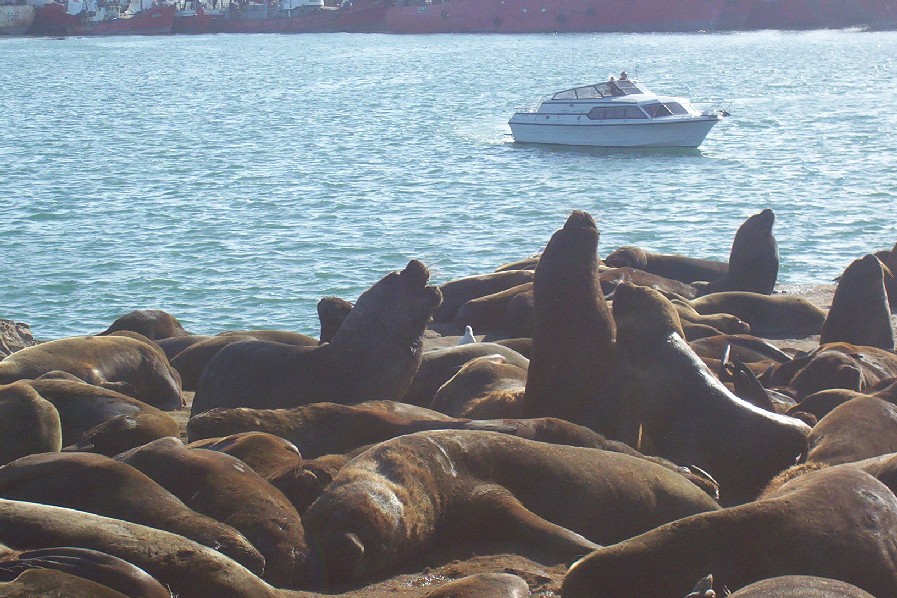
536 128
361 16
16 20
52 19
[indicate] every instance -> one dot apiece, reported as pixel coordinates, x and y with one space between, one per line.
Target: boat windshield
602 90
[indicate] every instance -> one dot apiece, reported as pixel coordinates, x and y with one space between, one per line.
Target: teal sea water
234 180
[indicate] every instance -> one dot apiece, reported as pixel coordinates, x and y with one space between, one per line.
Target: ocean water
234 180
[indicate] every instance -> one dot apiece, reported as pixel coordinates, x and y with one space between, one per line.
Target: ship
635 16
102 17
303 16
15 17
195 17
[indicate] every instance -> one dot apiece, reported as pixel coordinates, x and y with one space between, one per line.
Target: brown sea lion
97 484
753 259
675 267
488 312
801 586
287 337
523 345
332 312
858 429
611 277
82 406
119 363
572 365
188 568
528 263
50 582
745 347
823 402
374 355
174 345
520 316
688 415
456 293
769 316
154 324
838 365
228 490
725 323
98 567
29 423
476 379
124 432
439 365
390 503
836 523
860 314
494 585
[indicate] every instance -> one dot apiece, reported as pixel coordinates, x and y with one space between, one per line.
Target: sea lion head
627 257
642 313
399 307
354 528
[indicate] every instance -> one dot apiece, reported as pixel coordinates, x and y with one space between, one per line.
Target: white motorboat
616 113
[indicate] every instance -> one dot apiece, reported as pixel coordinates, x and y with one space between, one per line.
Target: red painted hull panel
52 19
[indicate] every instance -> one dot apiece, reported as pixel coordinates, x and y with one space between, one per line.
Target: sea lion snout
415 274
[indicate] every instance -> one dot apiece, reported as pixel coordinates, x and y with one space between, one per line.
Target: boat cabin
608 89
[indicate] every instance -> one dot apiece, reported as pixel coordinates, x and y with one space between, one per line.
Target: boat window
597 114
627 87
675 108
633 112
657 110
588 92
569 94
615 112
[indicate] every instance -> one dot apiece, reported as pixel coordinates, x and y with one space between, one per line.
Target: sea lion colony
623 428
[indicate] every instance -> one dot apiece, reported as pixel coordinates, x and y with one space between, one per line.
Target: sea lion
725 323
119 363
523 345
476 379
823 402
858 429
97 484
50 582
98 567
494 585
439 365
688 415
287 337
528 263
374 355
836 523
611 277
154 324
390 503
572 366
174 345
775 316
837 365
520 316
188 568
753 259
488 312
82 406
456 293
30 424
860 314
226 489
675 267
332 312
124 432
801 586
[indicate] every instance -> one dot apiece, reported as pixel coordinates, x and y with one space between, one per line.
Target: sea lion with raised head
688 415
572 368
675 267
332 312
834 523
393 501
374 355
226 489
860 314
753 259
119 363
97 484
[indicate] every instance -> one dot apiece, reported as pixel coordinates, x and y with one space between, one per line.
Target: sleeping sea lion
374 355
834 523
860 314
676 267
28 423
776 316
456 293
801 586
154 324
476 379
688 415
572 367
488 312
393 501
119 363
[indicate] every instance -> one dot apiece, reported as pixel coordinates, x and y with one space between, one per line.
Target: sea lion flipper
503 517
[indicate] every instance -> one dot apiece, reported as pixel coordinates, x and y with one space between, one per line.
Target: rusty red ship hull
52 19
